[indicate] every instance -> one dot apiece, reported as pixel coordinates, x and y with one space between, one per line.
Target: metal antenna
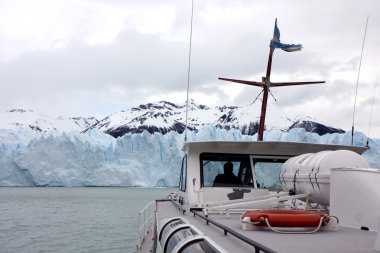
188 68
357 84
373 105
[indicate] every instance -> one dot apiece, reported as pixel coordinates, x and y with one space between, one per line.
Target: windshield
225 170
267 172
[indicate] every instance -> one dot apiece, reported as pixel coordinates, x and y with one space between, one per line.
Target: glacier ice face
11 143
28 158
95 159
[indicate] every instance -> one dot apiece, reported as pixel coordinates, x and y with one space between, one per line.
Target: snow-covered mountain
315 127
164 117
28 119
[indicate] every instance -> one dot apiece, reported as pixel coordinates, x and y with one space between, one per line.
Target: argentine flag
275 42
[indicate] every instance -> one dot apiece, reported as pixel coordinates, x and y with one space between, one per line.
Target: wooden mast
266 84
266 81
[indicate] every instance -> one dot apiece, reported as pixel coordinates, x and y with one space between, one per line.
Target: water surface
48 219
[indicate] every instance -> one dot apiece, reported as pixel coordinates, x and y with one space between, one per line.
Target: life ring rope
288 217
295 232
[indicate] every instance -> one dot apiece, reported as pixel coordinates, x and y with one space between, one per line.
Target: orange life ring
286 218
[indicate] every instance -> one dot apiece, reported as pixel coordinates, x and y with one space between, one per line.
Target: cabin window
213 169
182 179
267 171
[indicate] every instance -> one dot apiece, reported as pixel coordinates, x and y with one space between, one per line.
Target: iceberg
29 158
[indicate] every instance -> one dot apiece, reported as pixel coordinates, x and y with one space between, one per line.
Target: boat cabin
217 171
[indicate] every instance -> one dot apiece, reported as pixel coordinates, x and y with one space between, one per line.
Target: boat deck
345 240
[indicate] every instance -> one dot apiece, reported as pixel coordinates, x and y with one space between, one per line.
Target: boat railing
146 217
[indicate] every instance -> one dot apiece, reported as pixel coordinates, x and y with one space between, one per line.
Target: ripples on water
72 219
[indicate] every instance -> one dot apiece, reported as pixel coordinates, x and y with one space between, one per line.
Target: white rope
264 220
296 232
279 107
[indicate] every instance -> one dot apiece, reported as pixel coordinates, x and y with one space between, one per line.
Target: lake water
48 219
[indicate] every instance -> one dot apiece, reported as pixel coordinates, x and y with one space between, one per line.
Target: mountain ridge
28 119
162 117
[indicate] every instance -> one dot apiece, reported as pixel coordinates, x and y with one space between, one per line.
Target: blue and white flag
275 42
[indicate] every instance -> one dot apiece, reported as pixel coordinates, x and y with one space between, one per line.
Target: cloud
97 57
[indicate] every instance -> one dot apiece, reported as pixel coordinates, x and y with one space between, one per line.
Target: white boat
212 210
200 217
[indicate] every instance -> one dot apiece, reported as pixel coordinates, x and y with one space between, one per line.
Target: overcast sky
93 58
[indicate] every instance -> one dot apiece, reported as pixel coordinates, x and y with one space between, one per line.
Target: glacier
94 158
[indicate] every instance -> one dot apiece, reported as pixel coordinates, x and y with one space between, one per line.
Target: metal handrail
147 206
270 199
257 246
146 215
270 195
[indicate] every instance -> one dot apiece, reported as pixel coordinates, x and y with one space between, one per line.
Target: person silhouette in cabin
228 178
